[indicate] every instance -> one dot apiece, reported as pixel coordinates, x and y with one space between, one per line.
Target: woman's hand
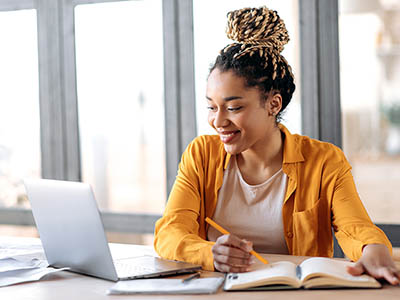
377 262
232 254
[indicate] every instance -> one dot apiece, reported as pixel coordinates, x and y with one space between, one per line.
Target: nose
220 119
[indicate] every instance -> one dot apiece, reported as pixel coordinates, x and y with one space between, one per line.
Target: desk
70 286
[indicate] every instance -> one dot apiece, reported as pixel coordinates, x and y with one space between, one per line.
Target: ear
274 104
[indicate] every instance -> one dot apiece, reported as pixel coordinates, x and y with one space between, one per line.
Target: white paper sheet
22 261
19 276
27 247
13 264
208 285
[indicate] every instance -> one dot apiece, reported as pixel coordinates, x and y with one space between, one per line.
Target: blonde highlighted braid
259 36
259 30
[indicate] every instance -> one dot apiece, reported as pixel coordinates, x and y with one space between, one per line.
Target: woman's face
237 114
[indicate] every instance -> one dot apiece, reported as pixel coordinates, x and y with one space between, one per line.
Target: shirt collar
291 147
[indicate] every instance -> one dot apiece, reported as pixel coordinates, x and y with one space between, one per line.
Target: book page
332 272
282 272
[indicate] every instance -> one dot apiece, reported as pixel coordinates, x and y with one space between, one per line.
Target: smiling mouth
227 137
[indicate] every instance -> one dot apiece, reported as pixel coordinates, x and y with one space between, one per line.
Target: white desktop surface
71 286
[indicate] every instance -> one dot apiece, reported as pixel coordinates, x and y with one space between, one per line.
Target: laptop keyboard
149 266
125 269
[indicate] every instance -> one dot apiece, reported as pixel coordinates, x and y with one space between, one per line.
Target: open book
316 272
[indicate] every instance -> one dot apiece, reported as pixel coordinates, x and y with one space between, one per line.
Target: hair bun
257 26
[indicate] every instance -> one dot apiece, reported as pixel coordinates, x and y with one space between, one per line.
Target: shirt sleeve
352 225
177 232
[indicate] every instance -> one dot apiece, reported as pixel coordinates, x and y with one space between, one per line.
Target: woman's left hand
377 262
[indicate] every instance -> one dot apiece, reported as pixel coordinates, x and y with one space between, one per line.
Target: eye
211 108
235 108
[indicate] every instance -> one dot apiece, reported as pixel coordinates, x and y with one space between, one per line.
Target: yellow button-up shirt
320 195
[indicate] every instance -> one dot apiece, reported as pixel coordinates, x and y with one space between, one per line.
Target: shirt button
289 234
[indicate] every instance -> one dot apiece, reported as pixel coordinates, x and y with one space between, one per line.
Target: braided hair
259 35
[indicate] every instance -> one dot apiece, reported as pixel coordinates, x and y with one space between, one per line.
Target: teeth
227 135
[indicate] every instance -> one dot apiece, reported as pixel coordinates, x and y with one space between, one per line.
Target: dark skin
247 128
377 262
232 254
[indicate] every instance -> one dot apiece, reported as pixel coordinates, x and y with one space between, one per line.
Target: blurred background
369 39
119 81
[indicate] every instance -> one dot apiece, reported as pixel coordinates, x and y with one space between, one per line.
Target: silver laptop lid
70 226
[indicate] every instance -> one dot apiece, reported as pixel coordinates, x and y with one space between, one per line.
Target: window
120 101
132 194
19 112
370 76
19 105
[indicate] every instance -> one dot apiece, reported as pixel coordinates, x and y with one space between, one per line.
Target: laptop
72 234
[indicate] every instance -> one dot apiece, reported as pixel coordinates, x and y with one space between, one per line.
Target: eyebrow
227 98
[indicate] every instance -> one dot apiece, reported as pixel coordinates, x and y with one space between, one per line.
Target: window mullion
321 116
180 112
58 112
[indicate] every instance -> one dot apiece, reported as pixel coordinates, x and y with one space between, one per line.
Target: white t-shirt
252 212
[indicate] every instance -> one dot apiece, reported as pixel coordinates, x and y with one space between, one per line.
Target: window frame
320 82
60 148
321 114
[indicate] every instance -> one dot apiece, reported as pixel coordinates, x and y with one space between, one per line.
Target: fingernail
252 260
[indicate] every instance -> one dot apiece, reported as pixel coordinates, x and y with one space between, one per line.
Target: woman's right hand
232 254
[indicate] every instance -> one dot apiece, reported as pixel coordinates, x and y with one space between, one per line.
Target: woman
282 192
